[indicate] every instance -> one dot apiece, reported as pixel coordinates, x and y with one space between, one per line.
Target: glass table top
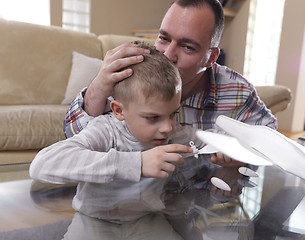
186 206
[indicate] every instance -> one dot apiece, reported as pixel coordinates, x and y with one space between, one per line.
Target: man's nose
171 52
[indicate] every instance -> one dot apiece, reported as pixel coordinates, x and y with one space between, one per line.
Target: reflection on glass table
186 206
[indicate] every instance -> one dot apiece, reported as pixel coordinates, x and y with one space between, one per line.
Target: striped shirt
229 94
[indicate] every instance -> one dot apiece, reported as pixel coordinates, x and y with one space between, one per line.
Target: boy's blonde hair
156 76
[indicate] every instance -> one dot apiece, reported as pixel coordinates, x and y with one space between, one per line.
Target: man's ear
117 109
213 58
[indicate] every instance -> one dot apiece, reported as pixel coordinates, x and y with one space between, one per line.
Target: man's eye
162 38
189 48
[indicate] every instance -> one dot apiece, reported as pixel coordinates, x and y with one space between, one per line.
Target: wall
56 12
235 38
118 16
121 16
291 65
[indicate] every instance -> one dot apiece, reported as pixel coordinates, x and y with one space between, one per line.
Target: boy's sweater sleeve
86 157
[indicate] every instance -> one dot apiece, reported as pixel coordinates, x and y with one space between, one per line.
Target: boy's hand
225 161
157 162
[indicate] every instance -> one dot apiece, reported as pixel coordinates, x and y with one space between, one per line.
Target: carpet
53 231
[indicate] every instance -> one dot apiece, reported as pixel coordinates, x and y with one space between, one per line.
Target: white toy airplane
255 145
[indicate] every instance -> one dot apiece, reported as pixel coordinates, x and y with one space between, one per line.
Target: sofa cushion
35 61
31 126
83 71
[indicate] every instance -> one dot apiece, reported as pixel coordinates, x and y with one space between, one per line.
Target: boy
127 144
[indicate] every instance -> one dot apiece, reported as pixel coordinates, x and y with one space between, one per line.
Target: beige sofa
36 66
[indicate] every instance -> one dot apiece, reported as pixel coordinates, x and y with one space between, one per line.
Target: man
189 36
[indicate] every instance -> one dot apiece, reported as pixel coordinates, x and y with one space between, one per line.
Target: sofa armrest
276 98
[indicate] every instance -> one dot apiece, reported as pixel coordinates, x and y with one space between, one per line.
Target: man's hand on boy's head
116 59
225 161
158 161
102 85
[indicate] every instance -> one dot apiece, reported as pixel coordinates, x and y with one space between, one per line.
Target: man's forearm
94 103
76 118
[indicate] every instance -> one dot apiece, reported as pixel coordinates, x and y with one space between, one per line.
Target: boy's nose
166 126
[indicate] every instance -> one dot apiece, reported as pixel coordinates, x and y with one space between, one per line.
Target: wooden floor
292 135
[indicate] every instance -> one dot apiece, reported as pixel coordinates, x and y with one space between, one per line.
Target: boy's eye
174 114
152 118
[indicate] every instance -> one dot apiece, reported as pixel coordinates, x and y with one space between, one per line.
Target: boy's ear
117 109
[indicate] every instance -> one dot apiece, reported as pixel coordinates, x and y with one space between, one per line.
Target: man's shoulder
227 79
226 75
